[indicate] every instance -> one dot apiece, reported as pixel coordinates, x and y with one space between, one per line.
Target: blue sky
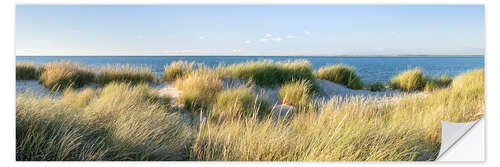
249 30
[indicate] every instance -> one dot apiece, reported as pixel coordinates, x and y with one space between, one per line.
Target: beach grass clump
125 73
122 122
177 69
199 89
374 87
63 74
267 72
341 74
236 103
409 80
26 71
47 130
437 83
298 93
140 128
78 99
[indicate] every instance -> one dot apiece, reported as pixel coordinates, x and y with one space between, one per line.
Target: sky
250 30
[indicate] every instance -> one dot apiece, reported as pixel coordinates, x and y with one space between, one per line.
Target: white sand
330 89
30 86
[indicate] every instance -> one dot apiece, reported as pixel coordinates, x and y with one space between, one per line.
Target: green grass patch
125 73
437 83
374 87
267 72
26 71
341 74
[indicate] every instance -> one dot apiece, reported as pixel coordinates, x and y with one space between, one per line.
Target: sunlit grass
123 122
352 129
128 120
341 74
238 103
177 69
199 89
125 73
410 80
63 74
298 93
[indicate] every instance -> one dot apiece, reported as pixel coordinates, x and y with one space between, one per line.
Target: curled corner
452 132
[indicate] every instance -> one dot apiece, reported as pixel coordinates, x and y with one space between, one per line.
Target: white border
7 17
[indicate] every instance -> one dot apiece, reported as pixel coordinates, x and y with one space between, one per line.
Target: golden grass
298 93
177 70
121 123
125 73
62 74
78 99
410 80
237 103
199 89
26 71
353 129
341 74
125 121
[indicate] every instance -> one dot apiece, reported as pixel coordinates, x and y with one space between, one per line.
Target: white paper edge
451 133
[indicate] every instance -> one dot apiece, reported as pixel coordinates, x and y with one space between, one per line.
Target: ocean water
370 68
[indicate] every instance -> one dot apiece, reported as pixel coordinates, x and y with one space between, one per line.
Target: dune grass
199 89
298 93
237 103
177 69
125 73
127 121
341 74
437 83
352 129
63 74
267 72
374 87
78 99
26 71
410 80
120 123
414 80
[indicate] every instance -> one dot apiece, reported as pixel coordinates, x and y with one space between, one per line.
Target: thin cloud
248 41
268 35
290 36
202 38
277 39
263 40
307 32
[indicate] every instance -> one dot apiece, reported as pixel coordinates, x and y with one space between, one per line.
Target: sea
369 68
